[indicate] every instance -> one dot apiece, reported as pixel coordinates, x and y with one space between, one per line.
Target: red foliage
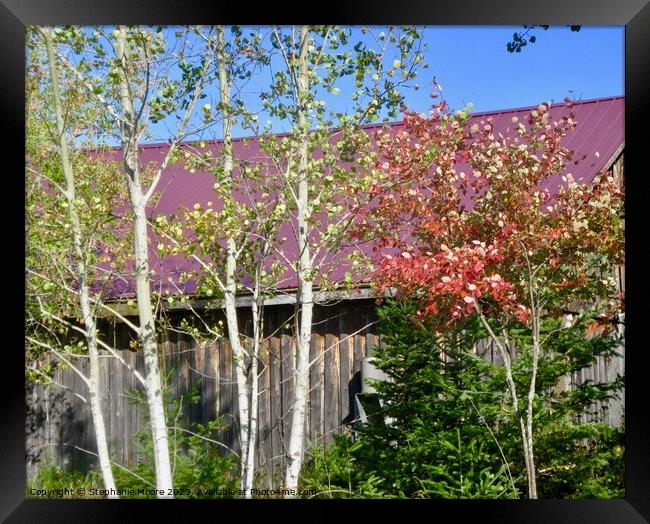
468 216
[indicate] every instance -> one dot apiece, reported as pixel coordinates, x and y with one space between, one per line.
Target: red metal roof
597 137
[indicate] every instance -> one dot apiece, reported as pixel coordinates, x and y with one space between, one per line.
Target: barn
345 331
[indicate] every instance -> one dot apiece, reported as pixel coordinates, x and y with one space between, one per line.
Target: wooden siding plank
218 377
286 386
118 394
264 418
129 412
183 377
89 426
200 379
275 344
315 385
139 409
67 429
230 412
221 389
51 404
345 324
206 384
113 422
331 382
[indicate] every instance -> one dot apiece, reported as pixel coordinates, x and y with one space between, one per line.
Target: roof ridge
158 145
555 104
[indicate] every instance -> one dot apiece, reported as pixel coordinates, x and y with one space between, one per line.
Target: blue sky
472 64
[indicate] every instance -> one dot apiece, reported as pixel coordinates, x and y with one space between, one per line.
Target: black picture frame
633 14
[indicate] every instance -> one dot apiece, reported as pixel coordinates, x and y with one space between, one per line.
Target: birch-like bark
231 278
81 272
258 330
532 478
512 388
158 424
305 277
535 318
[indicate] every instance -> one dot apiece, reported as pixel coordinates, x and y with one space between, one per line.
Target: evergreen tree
450 433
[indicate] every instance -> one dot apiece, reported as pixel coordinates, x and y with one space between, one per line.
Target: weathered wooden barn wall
605 369
59 423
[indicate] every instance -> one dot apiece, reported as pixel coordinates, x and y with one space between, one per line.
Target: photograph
325 262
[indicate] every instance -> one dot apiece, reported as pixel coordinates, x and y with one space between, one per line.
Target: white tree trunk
301 388
258 330
532 478
97 414
305 280
81 271
153 380
240 363
507 364
526 437
153 387
239 357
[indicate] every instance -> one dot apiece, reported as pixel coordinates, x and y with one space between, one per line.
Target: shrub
200 468
452 434
55 482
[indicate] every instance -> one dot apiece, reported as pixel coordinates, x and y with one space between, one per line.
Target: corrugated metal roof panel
598 135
